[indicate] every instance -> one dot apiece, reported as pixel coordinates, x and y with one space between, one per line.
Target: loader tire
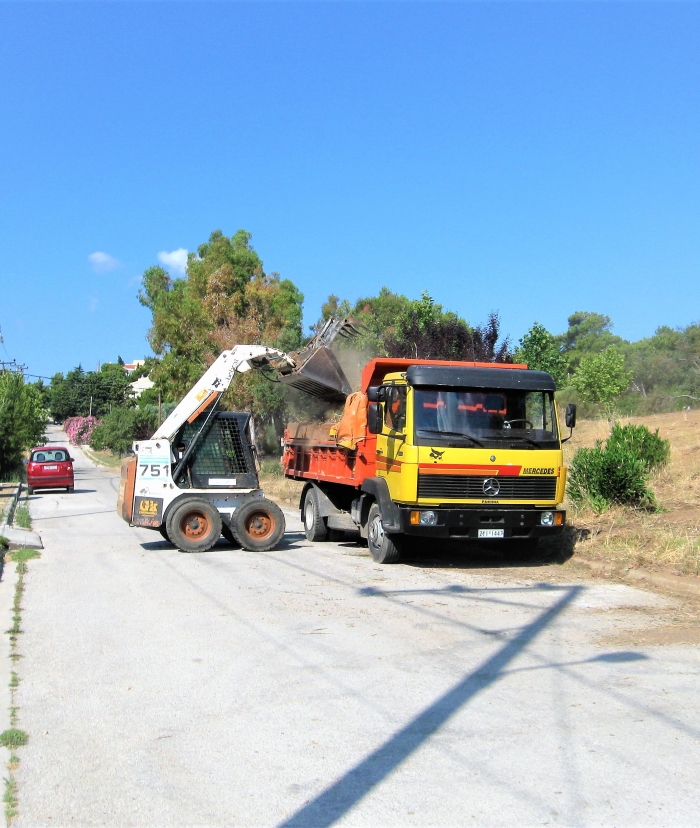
315 526
228 535
258 525
384 549
194 525
164 533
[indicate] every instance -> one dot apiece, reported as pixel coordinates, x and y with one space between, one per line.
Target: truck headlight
427 518
547 518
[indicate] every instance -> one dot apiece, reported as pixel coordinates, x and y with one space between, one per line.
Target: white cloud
103 262
175 262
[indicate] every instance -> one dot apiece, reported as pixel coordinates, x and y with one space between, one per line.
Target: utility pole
160 418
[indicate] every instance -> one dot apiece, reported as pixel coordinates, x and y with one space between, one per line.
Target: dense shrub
79 429
121 427
642 443
22 421
618 470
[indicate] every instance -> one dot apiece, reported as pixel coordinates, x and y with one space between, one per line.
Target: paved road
311 687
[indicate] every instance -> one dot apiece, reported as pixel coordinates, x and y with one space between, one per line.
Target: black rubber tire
164 533
228 535
194 525
258 525
315 526
384 549
70 489
30 490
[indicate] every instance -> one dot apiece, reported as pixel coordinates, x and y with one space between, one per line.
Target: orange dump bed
344 452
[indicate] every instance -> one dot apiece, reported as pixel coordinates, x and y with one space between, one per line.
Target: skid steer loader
196 478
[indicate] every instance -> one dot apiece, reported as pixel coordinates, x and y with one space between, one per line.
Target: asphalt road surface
311 687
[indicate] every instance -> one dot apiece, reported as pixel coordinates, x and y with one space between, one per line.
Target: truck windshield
487 417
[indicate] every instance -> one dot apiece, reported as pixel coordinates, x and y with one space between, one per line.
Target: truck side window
395 407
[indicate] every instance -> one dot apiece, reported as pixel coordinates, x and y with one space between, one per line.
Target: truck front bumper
477 523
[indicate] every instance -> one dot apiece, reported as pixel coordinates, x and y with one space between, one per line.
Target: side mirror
570 417
374 418
372 393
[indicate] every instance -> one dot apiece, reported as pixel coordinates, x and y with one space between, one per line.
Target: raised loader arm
216 379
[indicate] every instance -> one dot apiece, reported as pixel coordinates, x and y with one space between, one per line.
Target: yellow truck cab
470 452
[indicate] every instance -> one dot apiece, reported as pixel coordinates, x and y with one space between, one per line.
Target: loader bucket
320 375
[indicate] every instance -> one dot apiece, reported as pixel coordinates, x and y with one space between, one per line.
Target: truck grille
461 487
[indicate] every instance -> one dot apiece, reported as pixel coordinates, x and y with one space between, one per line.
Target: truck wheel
258 525
164 533
315 526
383 548
194 525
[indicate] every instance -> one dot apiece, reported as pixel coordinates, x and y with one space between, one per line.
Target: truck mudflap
474 523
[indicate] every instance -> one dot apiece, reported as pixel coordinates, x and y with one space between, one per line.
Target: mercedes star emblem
491 487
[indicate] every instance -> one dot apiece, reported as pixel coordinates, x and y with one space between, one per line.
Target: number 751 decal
160 469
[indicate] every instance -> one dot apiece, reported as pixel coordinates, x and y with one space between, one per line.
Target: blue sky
534 159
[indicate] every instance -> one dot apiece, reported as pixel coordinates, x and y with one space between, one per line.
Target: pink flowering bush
79 429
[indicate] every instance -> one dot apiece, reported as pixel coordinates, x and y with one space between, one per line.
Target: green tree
121 427
588 333
81 392
225 299
540 351
23 418
601 378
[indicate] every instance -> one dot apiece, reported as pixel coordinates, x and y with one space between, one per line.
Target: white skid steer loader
196 478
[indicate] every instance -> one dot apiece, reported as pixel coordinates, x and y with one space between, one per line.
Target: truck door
391 441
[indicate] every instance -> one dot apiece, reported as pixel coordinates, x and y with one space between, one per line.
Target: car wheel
315 526
384 549
30 490
194 525
258 525
70 489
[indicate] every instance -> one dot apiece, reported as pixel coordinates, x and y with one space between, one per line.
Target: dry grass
633 538
282 491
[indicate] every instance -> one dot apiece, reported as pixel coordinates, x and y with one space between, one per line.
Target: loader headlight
547 518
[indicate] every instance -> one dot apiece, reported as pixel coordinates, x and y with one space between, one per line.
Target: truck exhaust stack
317 371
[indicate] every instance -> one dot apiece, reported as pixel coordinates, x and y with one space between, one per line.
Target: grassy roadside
13 738
629 538
102 458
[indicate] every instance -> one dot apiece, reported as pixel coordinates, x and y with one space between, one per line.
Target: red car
50 467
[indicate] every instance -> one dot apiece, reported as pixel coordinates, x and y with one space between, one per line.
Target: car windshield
486 417
49 456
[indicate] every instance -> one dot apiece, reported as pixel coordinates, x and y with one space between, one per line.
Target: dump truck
435 450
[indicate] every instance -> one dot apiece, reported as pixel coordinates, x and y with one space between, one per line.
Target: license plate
50 468
491 533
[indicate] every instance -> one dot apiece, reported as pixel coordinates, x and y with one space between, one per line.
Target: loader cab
223 454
